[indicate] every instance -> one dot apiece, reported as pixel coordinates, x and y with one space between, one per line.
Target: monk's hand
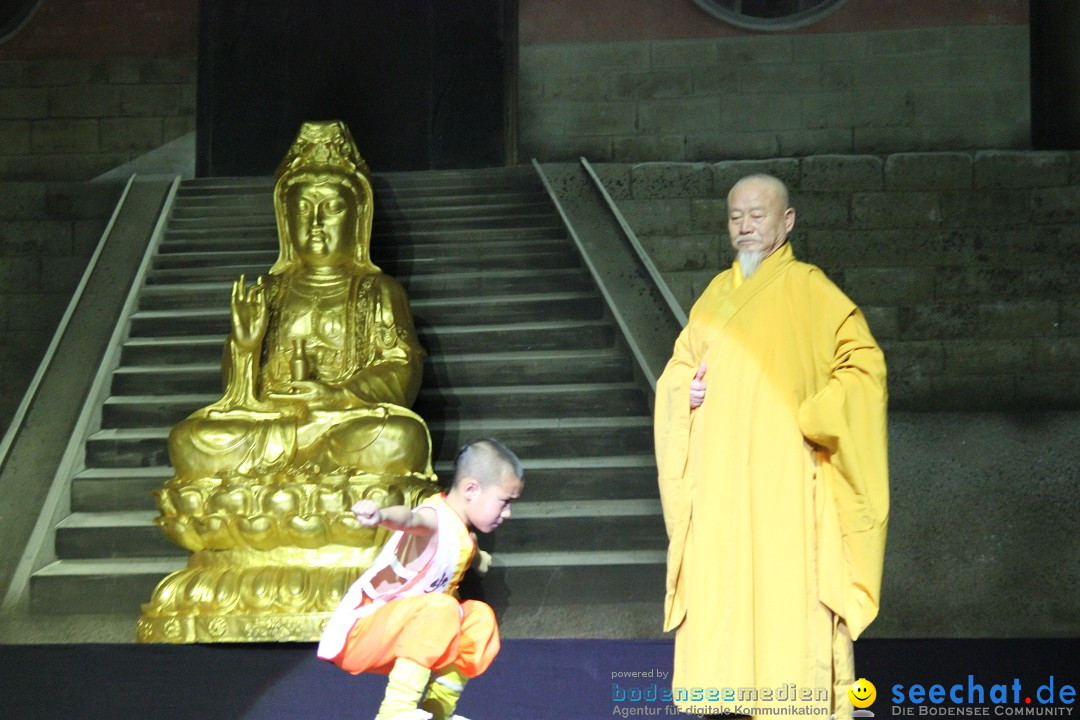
697 388
367 512
249 314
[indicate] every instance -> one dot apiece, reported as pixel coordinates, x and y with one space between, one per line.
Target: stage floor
530 680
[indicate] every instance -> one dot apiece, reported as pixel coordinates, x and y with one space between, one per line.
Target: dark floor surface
530 680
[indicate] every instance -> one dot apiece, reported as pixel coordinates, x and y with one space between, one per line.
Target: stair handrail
58 489
649 358
612 306
643 255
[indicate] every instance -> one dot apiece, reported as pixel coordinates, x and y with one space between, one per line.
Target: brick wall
85 86
75 119
934 88
62 122
967 265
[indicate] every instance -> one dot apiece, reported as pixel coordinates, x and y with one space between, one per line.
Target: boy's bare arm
397 517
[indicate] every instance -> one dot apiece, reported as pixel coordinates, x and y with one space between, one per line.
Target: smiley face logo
862 693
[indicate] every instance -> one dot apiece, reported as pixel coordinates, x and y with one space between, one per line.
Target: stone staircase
520 347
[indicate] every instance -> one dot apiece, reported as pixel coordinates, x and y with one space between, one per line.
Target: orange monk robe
775 489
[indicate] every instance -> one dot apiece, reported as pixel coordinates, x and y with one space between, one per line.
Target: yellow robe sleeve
847 420
671 428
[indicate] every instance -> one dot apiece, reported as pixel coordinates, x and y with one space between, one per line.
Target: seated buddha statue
322 361
320 366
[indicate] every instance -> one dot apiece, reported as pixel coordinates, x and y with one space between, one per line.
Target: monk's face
322 221
758 220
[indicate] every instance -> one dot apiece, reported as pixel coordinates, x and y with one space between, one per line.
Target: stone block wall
75 119
63 121
940 88
48 231
967 265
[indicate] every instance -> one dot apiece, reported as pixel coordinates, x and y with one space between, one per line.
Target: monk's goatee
749 261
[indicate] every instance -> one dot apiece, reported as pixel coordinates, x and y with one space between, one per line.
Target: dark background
1055 74
420 83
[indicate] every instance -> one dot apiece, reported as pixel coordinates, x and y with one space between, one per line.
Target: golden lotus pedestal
270 560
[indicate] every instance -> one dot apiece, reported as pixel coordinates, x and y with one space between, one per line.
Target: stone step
531 401
387 196
496 309
76 587
531 437
117 489
243 224
575 580
446 372
576 479
584 478
162 296
386 252
261 199
407 198
518 401
556 334
524 581
481 181
259 207
534 527
431 181
111 535
549 437
448 340
200 267
267 233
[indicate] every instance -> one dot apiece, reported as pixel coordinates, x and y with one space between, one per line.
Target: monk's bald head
759 219
769 184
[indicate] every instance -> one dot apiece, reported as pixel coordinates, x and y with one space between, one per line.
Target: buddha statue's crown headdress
325 145
325 151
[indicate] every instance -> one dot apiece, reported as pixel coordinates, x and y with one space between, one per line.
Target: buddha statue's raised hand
248 314
243 347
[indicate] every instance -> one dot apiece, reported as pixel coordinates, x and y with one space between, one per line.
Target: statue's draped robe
775 489
366 346
370 334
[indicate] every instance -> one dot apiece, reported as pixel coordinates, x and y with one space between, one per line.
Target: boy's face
488 506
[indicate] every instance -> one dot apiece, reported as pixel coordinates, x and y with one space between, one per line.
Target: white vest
437 569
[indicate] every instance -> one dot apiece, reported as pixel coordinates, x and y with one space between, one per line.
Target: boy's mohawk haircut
486 459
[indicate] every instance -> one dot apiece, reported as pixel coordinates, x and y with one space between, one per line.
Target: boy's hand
368 513
481 561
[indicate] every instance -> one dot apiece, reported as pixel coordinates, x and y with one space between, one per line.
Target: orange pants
432 630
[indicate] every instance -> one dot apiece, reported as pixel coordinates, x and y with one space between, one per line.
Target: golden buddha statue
320 367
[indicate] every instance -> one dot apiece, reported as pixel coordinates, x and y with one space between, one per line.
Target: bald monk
770 434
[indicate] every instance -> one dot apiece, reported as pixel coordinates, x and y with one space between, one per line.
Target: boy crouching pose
401 617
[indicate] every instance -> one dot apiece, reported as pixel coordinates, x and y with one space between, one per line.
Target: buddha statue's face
322 219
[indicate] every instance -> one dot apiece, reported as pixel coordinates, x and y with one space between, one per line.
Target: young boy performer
401 618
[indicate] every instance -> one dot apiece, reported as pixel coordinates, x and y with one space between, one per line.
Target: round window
769 14
14 14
